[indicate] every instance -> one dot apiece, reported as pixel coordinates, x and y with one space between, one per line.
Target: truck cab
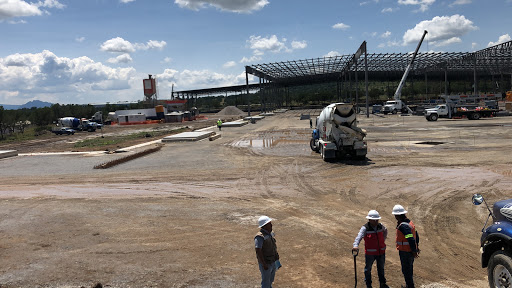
441 110
392 106
496 243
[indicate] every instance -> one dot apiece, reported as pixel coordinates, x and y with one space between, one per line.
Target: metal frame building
276 78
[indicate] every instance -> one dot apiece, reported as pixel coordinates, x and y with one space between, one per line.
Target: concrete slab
188 136
8 153
280 110
267 114
257 118
234 124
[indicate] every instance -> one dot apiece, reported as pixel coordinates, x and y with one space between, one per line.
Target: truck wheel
394 111
312 145
474 116
500 270
385 112
433 117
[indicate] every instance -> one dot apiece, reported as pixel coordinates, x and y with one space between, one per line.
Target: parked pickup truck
64 130
451 111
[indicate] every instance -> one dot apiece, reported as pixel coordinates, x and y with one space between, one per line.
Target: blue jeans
407 261
267 276
369 259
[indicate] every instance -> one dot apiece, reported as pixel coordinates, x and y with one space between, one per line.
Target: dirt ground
186 215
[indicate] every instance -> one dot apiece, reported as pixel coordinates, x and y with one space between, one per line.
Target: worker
219 124
374 235
310 123
407 243
266 252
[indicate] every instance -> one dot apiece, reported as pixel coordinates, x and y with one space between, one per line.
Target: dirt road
186 215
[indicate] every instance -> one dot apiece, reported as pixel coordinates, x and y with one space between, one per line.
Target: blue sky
97 51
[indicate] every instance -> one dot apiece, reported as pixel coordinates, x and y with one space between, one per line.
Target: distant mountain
28 105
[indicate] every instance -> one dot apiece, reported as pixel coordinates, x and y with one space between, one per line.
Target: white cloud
424 4
126 1
252 59
167 60
190 79
49 4
17 22
80 39
461 2
299 44
388 10
386 34
332 54
47 77
271 44
123 58
19 8
340 26
442 30
474 45
239 6
229 64
119 45
501 39
260 45
368 2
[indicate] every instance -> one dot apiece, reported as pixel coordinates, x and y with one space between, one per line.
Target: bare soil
186 215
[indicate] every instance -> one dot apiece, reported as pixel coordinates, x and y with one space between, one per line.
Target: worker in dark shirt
407 241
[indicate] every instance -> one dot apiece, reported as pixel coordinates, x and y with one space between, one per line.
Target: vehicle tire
474 116
499 270
312 145
433 117
385 112
394 111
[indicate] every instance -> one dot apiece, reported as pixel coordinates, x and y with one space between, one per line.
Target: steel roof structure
494 60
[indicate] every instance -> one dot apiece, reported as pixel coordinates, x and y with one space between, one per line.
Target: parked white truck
337 134
393 107
463 111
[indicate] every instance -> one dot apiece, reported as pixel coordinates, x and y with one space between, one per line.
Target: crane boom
398 92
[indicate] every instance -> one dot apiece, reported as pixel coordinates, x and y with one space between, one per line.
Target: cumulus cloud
442 30
19 8
332 54
47 77
299 45
167 60
119 45
80 39
501 39
461 2
123 58
261 45
126 1
385 34
424 4
229 64
340 26
388 10
239 6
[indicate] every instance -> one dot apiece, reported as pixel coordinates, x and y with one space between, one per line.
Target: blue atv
496 243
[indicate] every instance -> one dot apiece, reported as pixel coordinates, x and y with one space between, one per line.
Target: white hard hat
373 215
264 220
398 210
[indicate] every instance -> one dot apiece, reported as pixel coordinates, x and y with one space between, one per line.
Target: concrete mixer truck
337 134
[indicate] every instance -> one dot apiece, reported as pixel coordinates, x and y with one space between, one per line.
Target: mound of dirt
230 110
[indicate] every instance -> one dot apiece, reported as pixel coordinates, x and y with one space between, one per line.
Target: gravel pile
230 110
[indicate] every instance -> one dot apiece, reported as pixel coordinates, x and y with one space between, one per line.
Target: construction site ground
186 216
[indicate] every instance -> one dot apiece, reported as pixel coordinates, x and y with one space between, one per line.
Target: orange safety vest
402 243
374 240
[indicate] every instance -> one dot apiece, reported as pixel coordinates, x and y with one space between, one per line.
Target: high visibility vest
402 243
219 123
374 240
